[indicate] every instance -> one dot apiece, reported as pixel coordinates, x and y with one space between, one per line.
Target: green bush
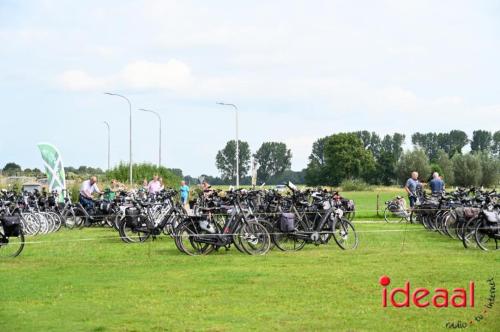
355 185
143 171
74 191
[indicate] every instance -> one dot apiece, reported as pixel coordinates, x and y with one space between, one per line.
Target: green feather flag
53 168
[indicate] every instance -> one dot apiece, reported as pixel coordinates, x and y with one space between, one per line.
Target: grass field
88 280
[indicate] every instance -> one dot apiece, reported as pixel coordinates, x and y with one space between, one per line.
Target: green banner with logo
54 169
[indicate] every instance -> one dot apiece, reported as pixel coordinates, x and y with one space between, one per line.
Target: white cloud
141 75
397 97
448 101
78 80
172 75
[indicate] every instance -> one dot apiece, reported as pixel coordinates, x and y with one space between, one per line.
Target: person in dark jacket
436 184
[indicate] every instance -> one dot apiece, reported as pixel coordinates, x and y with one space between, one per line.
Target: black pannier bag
429 208
348 204
394 207
287 222
52 201
132 216
11 225
105 206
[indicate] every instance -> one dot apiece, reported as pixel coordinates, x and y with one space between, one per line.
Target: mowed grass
88 280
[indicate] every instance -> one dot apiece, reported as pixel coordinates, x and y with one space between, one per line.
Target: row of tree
375 159
453 142
13 169
272 158
365 156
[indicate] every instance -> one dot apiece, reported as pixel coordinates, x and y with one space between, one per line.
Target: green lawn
88 280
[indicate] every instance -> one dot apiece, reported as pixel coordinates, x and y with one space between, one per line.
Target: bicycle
11 236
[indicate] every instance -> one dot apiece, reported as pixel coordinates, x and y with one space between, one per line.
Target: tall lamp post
130 133
109 144
237 143
159 122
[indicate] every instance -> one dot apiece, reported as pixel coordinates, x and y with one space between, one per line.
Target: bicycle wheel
350 215
289 241
345 234
390 217
133 234
57 221
30 224
468 233
440 223
484 237
254 238
45 222
270 229
71 219
10 246
427 222
449 224
187 235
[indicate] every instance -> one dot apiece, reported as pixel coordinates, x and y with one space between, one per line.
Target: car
280 187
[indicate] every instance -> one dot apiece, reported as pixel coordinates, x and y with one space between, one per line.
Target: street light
109 144
130 133
237 143
159 121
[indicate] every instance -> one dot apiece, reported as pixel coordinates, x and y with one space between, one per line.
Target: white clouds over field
298 70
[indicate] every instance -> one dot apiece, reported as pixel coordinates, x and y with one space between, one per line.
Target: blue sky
298 70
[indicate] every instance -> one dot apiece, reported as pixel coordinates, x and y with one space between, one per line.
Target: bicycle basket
287 222
11 225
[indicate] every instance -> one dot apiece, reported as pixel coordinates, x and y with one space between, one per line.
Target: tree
226 160
11 169
452 142
446 166
371 142
141 172
315 172
481 140
495 147
457 140
176 171
467 170
490 169
415 160
273 158
346 157
428 142
391 149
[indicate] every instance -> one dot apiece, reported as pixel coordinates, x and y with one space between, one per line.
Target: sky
297 70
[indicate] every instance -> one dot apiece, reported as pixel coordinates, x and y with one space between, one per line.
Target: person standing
184 190
154 185
436 184
411 188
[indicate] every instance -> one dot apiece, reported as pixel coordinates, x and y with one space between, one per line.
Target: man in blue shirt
411 188
184 193
436 184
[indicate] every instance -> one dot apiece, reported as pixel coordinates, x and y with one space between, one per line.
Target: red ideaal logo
440 298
